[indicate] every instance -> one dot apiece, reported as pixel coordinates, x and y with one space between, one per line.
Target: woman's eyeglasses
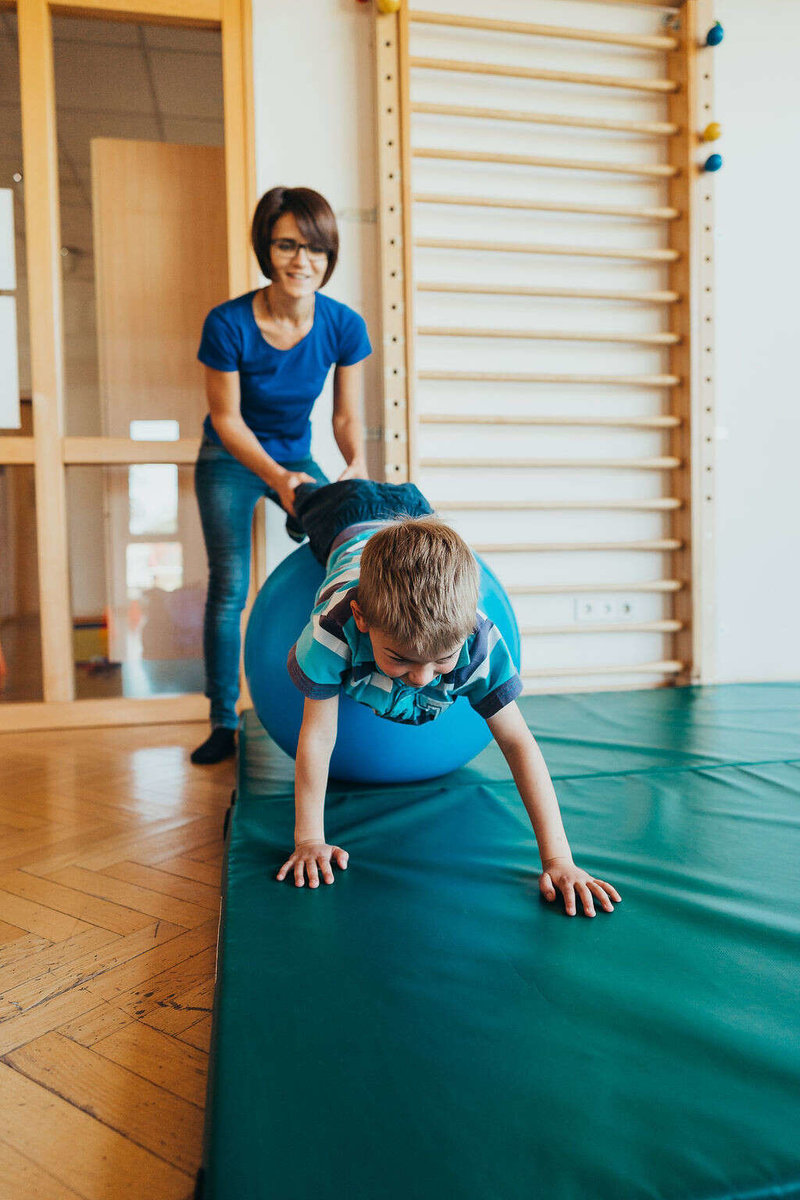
288 248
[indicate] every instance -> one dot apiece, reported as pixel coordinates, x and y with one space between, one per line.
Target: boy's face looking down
398 662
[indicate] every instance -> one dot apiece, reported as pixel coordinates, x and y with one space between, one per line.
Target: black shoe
221 744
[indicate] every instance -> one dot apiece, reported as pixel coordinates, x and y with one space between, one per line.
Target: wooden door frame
49 450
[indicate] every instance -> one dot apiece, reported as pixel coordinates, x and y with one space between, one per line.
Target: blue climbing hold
715 34
713 162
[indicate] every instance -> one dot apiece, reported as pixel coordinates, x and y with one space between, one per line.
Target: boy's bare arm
312 854
538 795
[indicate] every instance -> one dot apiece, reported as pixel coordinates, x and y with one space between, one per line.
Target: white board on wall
8 270
9 376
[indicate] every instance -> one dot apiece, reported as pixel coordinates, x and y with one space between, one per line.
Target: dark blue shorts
324 511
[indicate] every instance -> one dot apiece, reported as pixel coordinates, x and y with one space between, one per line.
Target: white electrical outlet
605 609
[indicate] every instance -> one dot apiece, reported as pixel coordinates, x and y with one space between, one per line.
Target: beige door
160 265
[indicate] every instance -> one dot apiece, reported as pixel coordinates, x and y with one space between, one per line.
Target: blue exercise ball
369 749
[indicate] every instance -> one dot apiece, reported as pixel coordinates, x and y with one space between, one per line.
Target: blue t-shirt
279 387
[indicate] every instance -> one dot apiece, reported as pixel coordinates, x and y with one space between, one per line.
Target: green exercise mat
428 1028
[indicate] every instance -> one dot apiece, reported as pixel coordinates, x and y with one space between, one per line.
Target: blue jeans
227 493
325 512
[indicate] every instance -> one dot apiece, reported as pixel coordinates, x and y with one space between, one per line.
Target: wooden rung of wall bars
502 289
550 335
560 589
648 128
645 170
663 463
643 381
639 213
647 256
651 545
494 419
666 626
638 41
668 666
663 504
661 86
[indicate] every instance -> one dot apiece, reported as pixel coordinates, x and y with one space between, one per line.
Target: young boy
396 625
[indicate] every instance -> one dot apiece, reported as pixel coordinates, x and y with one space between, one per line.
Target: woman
267 355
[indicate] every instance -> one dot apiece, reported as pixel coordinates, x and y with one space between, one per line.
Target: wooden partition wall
546 233
48 449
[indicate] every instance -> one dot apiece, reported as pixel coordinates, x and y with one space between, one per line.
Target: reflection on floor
137 679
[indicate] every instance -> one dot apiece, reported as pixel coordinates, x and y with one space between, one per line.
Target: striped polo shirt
332 655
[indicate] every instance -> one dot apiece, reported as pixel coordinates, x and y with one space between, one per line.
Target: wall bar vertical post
692 319
396 244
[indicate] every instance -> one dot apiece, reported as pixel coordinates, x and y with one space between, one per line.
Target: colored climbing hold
388 6
713 162
715 34
712 132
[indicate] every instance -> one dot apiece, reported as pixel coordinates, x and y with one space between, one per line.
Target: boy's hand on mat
287 485
313 859
561 875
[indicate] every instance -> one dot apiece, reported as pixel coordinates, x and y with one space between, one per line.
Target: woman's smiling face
299 273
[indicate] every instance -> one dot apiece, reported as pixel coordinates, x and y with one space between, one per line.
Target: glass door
137 184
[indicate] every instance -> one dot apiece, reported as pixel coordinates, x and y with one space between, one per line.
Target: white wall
314 126
758 331
313 66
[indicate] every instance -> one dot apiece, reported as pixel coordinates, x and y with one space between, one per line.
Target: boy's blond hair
419 584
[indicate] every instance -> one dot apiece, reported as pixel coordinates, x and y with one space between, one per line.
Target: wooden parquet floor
110 860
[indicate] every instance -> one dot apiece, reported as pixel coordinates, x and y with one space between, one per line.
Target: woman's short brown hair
314 217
